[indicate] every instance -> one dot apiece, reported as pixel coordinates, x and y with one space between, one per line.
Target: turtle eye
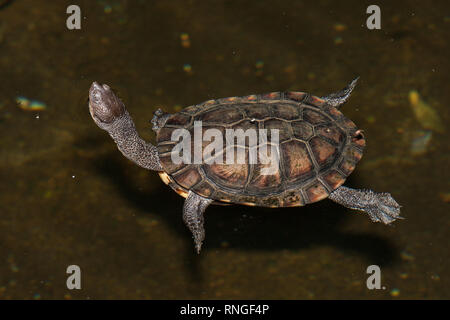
358 135
358 138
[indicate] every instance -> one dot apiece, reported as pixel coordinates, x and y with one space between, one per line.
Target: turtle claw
383 209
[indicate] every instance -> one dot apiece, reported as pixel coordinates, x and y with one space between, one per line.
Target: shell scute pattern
318 149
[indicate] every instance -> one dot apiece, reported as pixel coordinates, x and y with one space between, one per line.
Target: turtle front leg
380 206
194 207
110 114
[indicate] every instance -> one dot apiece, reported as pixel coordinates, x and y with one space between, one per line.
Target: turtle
316 149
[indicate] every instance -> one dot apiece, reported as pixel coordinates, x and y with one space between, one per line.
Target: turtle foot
380 207
193 210
338 98
383 208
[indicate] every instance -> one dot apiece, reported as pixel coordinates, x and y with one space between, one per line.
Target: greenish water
67 196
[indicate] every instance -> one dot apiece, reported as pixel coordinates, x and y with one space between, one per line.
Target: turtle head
105 107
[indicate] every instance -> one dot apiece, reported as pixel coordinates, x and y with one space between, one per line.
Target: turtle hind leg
380 207
338 98
193 209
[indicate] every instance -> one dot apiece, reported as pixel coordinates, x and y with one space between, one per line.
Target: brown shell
319 148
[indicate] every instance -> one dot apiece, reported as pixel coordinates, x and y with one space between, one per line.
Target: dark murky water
67 196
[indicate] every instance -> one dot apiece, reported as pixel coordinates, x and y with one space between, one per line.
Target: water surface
67 196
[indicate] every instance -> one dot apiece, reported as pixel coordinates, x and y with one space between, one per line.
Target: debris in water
421 141
107 9
185 41
311 76
224 244
424 113
187 68
371 119
259 65
435 277
12 264
406 256
27 104
339 27
395 292
338 40
445 197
